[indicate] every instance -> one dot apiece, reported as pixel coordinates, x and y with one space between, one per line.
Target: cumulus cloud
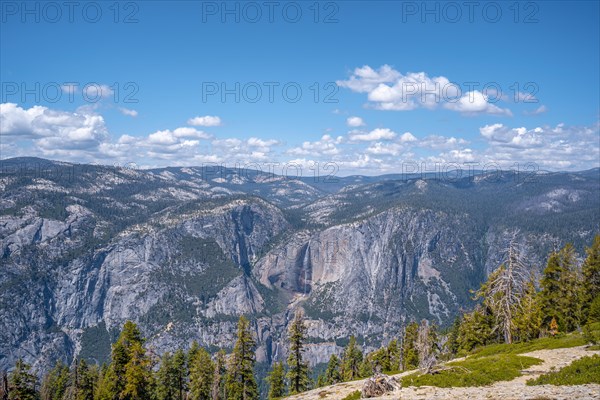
207 120
375 134
476 102
52 130
388 89
355 122
326 146
540 110
128 112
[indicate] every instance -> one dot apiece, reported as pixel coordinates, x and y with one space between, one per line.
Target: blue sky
154 62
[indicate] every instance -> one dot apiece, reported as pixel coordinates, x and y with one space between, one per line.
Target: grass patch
595 347
579 372
480 371
353 396
549 343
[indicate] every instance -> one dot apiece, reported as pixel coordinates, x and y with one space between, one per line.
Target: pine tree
276 381
202 373
591 276
166 379
218 382
113 380
55 383
453 344
240 381
410 356
180 366
393 352
85 379
528 317
366 368
476 329
332 374
297 369
350 368
560 294
138 375
22 382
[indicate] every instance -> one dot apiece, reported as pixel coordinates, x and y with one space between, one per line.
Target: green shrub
580 372
591 332
474 371
353 396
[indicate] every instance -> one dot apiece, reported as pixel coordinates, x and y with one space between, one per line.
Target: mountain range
183 251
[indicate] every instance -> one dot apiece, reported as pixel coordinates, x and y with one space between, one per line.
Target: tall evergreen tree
410 355
113 380
297 369
591 276
528 317
55 382
276 380
166 379
452 343
393 351
218 384
560 294
139 384
332 374
202 371
240 381
350 368
22 382
476 329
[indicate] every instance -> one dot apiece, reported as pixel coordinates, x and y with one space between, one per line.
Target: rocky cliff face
184 256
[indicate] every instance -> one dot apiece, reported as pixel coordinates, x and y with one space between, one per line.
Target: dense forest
513 305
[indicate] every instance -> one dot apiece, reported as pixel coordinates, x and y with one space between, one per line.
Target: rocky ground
508 390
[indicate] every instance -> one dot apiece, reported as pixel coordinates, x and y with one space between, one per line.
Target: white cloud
540 110
207 120
355 122
128 112
375 134
407 137
476 102
388 89
326 146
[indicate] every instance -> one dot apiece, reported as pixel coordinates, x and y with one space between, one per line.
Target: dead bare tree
503 291
426 346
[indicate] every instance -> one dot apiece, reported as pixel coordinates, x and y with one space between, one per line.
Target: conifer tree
591 276
218 383
297 368
114 379
240 381
202 371
85 379
476 329
332 374
350 368
410 356
560 294
393 352
139 384
22 382
276 380
528 317
55 382
452 343
166 379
